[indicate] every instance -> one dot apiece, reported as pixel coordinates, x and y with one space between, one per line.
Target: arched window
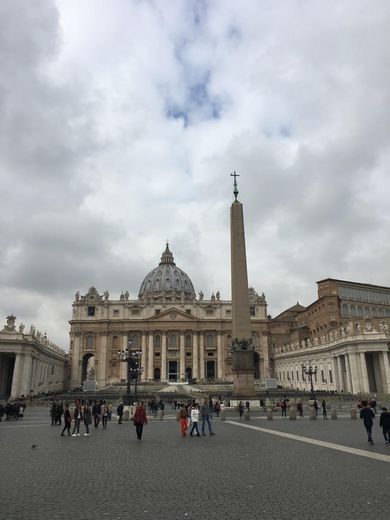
89 341
188 341
157 341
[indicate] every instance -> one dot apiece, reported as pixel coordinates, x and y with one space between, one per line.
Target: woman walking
183 420
194 420
87 418
67 421
139 419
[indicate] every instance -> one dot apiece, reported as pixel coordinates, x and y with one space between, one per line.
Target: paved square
240 473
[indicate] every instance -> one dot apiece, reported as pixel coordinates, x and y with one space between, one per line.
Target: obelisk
242 349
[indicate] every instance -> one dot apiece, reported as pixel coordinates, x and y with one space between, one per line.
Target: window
157 341
209 340
157 354
89 341
209 312
322 376
116 312
330 376
297 375
188 311
157 312
292 375
115 341
252 311
210 354
135 312
188 342
172 340
135 341
188 354
91 311
228 312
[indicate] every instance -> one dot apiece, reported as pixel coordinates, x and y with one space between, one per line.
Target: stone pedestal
312 414
353 413
333 414
243 373
269 414
292 411
247 414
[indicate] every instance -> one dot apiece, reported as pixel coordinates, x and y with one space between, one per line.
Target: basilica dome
167 282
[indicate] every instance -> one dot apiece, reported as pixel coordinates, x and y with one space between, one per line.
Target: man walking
384 423
205 414
368 415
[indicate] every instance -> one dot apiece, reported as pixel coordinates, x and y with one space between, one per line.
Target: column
102 375
348 373
16 376
123 364
386 372
201 355
143 362
163 356
26 376
354 373
341 374
195 356
75 376
219 356
364 372
182 364
150 356
336 374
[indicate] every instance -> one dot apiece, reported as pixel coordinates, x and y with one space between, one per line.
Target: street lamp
310 371
134 369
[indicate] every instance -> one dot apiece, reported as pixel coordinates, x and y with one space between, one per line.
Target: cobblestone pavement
237 474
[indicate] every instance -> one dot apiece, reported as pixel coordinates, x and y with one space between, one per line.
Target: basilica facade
182 336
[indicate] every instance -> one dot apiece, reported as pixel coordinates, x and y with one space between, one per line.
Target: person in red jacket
139 419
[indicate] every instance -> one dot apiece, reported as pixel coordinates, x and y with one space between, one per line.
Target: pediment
172 314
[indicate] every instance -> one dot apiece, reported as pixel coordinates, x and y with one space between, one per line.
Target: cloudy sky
121 121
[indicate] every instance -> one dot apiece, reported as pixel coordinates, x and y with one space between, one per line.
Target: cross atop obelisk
235 191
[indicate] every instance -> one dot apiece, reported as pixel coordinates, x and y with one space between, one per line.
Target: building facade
30 364
344 334
181 336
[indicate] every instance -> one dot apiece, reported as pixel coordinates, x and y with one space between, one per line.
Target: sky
121 122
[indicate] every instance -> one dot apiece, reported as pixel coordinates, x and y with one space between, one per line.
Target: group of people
191 413
84 412
284 405
13 411
367 414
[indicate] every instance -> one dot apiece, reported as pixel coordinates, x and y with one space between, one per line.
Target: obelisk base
243 374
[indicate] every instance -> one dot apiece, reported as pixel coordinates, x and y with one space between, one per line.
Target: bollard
292 412
353 413
247 414
333 414
126 414
313 414
269 414
160 415
222 415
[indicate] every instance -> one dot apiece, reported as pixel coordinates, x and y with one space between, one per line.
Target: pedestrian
315 405
87 414
104 414
240 409
194 420
205 414
324 413
217 408
67 421
2 410
368 416
96 411
384 422
183 414
119 412
77 415
300 408
283 406
139 419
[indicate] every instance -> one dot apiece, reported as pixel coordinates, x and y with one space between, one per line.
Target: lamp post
310 371
134 369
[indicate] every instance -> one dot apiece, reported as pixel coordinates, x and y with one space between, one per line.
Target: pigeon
34 446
